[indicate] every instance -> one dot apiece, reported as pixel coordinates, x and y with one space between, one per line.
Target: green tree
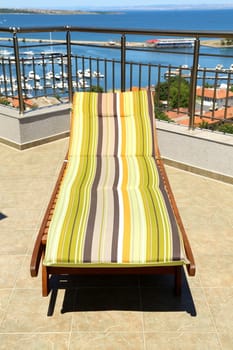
175 91
226 128
96 88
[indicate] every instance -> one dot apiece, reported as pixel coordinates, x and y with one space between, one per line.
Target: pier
80 42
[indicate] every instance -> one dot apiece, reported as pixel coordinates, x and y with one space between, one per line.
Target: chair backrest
112 124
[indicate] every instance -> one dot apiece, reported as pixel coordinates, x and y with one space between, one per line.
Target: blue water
172 19
193 20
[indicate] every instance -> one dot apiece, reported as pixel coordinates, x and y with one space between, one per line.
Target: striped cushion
96 130
112 208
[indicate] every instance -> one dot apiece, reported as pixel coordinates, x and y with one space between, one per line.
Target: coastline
32 11
215 43
208 43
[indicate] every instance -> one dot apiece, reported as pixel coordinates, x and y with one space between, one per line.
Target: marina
171 43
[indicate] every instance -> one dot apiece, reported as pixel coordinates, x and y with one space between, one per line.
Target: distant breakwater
209 43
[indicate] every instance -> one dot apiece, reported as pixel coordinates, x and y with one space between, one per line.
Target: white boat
64 75
26 86
80 73
5 53
219 67
82 83
33 75
48 83
97 75
61 85
57 76
28 53
49 75
37 86
171 43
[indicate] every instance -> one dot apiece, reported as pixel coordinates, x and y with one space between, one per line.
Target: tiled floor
135 313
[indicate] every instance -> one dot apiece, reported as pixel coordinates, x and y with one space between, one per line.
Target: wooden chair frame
47 271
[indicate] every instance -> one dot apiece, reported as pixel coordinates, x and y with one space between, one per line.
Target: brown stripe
152 118
93 207
174 227
115 233
78 204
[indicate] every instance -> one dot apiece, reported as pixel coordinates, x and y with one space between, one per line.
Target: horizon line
221 6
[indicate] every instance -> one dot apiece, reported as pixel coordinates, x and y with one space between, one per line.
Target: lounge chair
112 209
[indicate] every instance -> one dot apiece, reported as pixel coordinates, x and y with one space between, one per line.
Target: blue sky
103 4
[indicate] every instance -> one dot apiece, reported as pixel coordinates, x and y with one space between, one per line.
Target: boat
170 43
61 85
50 75
4 53
83 84
219 67
96 74
33 75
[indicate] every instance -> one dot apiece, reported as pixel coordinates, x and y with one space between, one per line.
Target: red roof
152 41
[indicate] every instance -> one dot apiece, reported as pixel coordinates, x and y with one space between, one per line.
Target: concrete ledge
199 171
35 143
34 127
200 151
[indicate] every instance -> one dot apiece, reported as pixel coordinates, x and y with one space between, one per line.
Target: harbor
150 43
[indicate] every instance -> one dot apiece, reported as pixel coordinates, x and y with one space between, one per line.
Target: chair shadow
2 216
126 293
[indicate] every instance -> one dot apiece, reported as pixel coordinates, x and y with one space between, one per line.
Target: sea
154 20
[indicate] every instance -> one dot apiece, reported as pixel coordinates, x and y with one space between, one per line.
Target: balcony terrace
37 87
129 313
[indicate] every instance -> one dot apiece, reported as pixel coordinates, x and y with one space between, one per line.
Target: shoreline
215 43
208 43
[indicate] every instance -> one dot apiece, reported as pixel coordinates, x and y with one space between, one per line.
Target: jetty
112 43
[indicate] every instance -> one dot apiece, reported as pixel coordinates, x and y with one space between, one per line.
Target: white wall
201 149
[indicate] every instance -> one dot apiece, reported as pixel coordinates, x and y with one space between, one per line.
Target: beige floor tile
226 340
10 267
106 309
21 218
170 314
15 241
215 271
107 341
27 313
91 315
5 295
220 301
106 321
217 244
24 279
181 341
45 341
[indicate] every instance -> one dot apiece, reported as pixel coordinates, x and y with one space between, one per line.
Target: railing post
18 71
193 84
69 64
123 54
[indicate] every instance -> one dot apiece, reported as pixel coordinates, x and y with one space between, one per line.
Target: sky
115 4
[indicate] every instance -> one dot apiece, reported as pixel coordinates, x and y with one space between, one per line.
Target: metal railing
116 64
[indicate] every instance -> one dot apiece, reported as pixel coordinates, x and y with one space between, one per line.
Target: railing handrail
185 33
122 45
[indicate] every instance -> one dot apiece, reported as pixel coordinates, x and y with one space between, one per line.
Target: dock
80 42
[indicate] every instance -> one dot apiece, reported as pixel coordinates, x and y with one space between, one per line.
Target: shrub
226 128
4 101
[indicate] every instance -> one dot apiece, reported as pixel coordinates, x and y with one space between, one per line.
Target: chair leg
178 280
45 282
45 279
